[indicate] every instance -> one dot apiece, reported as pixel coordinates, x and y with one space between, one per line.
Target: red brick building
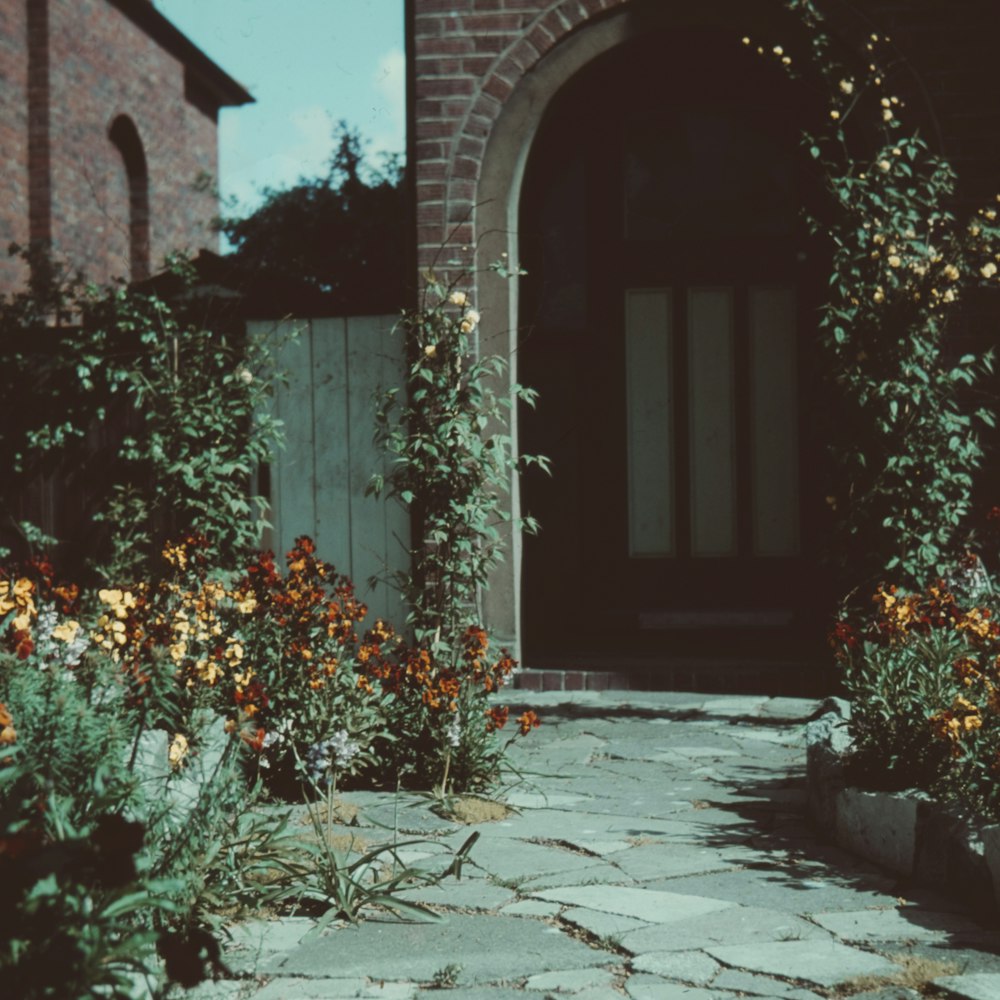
643 166
108 127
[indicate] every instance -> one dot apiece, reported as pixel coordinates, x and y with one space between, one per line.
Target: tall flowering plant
301 695
902 438
443 716
451 463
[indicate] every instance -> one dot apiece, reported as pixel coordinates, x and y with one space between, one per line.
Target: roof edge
224 89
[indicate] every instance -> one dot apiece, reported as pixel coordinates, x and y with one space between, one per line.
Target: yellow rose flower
178 750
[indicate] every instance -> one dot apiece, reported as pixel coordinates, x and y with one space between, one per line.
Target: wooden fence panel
318 480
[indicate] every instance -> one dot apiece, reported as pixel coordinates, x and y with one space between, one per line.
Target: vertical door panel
711 410
649 374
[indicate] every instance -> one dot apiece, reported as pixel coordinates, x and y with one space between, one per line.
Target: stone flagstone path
659 850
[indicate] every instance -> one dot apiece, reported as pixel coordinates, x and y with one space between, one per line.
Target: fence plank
331 449
318 480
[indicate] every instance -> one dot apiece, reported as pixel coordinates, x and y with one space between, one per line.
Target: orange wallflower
528 721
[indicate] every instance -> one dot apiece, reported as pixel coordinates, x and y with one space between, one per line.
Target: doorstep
907 833
706 675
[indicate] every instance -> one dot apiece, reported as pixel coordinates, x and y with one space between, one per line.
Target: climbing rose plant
452 464
903 440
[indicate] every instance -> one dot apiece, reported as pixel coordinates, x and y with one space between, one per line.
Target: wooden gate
317 481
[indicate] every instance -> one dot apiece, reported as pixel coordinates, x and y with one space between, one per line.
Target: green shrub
182 413
923 674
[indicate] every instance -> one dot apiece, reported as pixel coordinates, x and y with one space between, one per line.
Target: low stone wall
906 833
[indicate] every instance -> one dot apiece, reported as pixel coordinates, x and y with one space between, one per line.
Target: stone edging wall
904 832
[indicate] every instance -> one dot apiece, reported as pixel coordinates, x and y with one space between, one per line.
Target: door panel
650 404
711 407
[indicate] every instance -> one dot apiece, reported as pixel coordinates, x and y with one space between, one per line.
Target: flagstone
643 904
687 966
825 963
909 923
974 986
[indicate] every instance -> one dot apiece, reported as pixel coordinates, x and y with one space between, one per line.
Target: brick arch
509 67
492 227
472 168
124 136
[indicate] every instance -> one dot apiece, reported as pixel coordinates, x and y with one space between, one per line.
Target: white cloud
390 122
304 150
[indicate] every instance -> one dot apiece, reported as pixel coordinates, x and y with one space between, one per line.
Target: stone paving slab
905 924
489 948
646 987
748 984
649 905
775 889
651 861
738 925
826 963
335 989
573 981
981 986
686 966
659 850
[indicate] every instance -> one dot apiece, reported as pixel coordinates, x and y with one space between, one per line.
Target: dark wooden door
666 328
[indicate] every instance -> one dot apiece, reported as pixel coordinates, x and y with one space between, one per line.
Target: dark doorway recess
667 321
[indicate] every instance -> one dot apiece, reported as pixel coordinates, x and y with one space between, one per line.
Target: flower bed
141 727
905 832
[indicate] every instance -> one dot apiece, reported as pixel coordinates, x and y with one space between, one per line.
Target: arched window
125 138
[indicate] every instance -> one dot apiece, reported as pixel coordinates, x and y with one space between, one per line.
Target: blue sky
308 63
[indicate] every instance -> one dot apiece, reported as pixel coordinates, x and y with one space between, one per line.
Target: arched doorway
665 321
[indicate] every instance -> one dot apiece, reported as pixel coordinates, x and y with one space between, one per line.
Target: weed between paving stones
916 973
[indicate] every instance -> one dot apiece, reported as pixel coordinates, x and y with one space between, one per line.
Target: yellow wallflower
66 631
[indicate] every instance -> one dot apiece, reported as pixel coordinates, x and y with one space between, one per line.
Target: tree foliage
343 234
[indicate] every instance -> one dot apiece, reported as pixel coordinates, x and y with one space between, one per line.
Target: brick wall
100 65
103 66
469 56
13 136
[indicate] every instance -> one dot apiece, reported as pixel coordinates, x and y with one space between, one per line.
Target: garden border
907 833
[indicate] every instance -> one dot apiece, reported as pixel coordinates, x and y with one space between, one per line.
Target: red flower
24 645
496 718
253 739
